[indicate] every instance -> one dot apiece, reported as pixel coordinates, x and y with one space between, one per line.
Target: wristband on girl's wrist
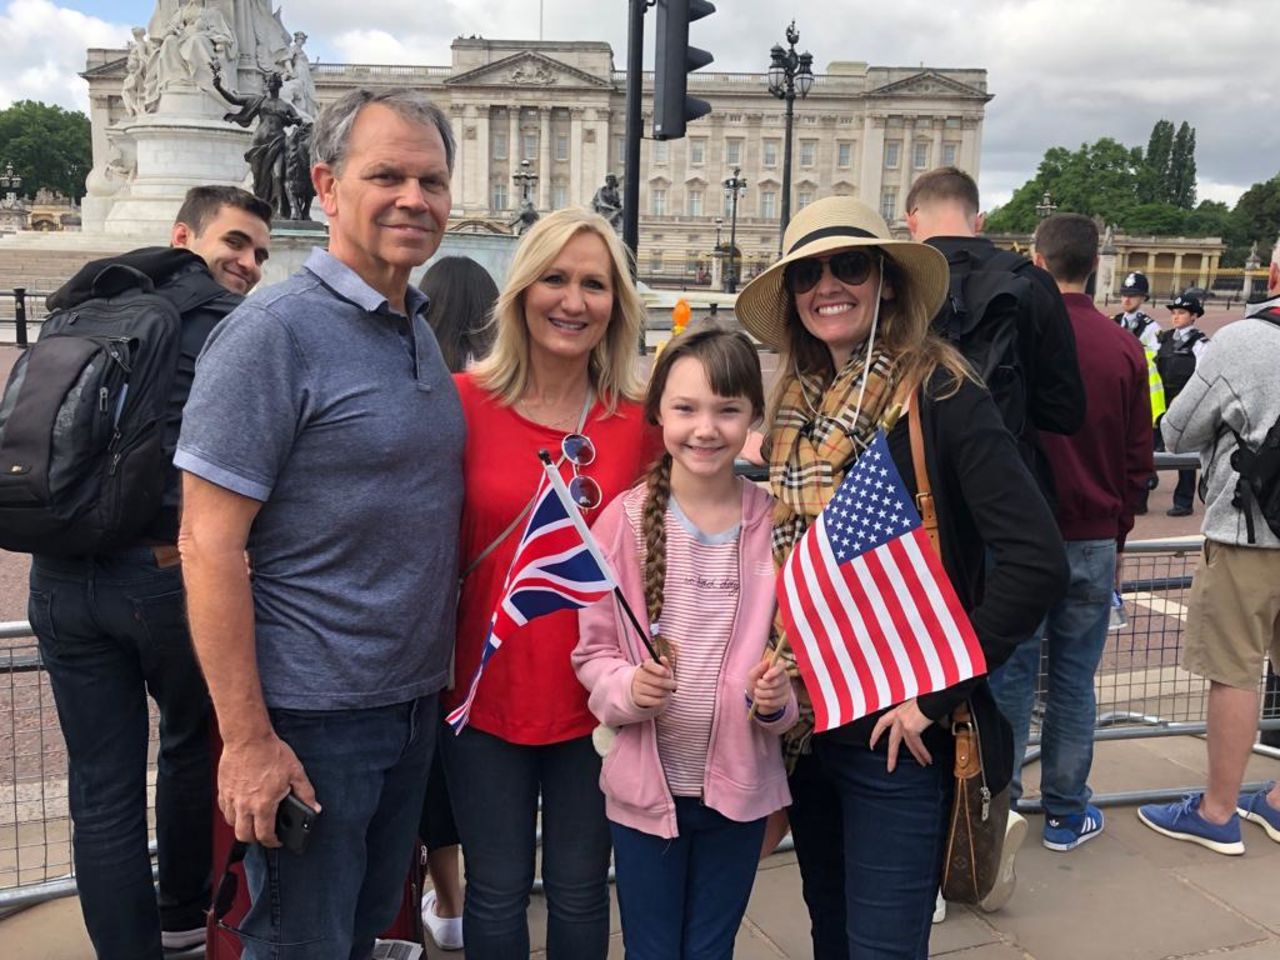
766 717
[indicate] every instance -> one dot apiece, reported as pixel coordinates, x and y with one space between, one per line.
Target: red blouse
529 693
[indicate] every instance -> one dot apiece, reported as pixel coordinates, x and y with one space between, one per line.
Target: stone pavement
1127 895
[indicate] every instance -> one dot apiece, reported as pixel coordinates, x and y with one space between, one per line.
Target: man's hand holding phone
254 778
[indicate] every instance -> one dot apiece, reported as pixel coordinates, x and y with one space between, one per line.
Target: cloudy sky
1063 71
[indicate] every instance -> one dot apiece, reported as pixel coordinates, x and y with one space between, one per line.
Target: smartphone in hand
295 822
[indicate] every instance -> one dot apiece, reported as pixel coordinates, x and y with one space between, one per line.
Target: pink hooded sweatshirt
745 778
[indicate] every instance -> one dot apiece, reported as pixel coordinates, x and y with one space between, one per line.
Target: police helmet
1135 284
1186 301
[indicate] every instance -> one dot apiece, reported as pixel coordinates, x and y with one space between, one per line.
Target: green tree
1100 178
47 145
1181 189
1256 217
1154 177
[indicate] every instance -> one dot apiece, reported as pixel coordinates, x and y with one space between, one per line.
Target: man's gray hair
332 133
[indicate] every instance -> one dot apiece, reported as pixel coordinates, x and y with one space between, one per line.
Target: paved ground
1127 895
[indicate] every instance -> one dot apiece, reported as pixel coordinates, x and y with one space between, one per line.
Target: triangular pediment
929 83
527 69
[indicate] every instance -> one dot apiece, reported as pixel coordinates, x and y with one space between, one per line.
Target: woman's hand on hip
905 723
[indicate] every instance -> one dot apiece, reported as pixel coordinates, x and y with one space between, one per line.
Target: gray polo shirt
318 399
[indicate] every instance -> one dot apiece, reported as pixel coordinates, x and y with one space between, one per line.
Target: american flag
866 604
557 566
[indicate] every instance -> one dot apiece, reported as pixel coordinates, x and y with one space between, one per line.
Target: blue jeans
111 630
495 786
1077 631
683 899
369 769
870 845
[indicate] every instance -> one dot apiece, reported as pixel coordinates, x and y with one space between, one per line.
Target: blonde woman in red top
561 377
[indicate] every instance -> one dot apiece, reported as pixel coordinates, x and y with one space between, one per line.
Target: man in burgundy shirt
1100 473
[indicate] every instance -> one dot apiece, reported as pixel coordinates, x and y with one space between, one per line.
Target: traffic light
675 60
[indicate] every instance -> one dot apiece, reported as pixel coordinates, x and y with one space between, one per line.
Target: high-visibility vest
1156 386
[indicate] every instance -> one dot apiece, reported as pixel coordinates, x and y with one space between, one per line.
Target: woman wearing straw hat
848 309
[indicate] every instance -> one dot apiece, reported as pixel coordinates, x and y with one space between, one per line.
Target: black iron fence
21 313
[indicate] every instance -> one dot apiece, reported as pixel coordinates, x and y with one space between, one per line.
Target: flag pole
571 508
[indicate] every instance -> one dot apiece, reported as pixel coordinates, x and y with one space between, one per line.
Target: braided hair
654 528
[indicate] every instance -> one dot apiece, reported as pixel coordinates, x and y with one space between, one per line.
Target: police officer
1133 294
1179 349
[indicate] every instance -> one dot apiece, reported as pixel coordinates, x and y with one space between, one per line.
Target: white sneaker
174 941
1015 832
939 909
446 932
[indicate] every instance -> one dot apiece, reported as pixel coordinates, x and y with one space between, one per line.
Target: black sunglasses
850 266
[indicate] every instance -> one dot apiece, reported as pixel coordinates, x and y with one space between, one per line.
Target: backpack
82 458
1259 470
987 303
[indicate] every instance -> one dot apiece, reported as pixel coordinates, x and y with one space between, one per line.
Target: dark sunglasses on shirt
850 266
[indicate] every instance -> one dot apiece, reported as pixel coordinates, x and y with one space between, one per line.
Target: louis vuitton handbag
975 836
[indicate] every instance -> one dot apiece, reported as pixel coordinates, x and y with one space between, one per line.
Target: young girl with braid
696 765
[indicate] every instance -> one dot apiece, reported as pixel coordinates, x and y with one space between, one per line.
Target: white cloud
45 51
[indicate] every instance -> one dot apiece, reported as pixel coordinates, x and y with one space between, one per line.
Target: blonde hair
903 332
612 364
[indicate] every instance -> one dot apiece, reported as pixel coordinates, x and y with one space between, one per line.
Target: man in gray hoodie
1233 620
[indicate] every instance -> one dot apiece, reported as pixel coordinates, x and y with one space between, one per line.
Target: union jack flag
557 566
866 604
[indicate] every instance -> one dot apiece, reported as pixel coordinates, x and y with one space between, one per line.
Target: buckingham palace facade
863 131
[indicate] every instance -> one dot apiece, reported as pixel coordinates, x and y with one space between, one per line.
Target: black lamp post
524 179
719 252
10 182
790 73
734 187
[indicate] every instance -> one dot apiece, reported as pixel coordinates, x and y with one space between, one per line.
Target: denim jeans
870 845
495 786
683 899
1077 631
112 629
369 769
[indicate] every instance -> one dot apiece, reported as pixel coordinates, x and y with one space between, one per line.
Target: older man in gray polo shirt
324 435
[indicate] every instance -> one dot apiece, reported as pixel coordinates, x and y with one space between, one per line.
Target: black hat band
826 232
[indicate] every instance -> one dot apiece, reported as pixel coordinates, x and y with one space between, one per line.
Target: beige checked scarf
816 435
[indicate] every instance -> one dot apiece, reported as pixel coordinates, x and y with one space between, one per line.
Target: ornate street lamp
734 187
1046 206
790 74
10 182
524 179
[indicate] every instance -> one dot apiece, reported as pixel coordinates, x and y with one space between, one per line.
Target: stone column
935 157
1106 279
969 159
593 173
544 164
464 136
872 160
1177 272
576 146
478 182
1203 280
907 159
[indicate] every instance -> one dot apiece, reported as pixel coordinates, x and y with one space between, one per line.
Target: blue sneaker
1182 821
1067 833
1254 807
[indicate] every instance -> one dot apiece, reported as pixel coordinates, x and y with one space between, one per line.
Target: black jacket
1000 547
186 281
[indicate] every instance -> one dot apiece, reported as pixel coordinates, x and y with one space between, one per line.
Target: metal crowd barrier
1142 693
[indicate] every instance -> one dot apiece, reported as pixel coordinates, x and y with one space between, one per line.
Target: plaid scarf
817 433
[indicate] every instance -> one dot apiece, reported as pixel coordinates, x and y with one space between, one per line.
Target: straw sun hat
836 223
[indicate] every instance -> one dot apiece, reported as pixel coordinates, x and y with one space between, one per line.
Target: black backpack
987 303
82 458
1259 470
